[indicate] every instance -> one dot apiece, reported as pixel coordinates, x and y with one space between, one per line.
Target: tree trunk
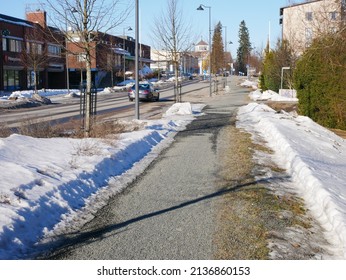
87 99
176 70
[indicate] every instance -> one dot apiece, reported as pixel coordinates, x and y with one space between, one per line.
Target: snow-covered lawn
49 186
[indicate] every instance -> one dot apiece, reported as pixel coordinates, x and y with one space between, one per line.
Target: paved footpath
170 211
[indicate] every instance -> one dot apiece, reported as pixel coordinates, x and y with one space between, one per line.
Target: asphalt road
64 108
170 211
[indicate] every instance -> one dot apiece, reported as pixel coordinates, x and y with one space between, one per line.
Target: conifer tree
217 54
244 48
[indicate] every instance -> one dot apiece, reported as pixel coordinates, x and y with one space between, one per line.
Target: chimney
37 16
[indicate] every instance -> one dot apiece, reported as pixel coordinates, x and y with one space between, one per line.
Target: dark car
146 92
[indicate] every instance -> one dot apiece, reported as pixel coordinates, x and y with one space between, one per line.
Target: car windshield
142 86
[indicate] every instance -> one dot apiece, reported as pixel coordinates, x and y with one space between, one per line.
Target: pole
137 63
210 92
282 74
124 52
67 66
224 57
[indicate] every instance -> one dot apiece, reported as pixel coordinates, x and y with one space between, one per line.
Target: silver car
146 92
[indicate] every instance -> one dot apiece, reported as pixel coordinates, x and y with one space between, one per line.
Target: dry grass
71 129
38 130
250 211
5 131
341 133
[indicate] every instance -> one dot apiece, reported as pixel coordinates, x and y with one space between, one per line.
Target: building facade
28 52
303 22
31 51
202 52
162 61
112 59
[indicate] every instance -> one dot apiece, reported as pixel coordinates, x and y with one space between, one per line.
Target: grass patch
71 129
250 211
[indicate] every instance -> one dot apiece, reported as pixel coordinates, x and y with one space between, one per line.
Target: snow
52 186
267 95
250 84
314 157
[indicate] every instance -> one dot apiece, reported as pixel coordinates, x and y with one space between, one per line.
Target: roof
14 20
202 43
298 4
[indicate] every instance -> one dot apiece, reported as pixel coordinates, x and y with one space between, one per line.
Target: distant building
162 60
202 52
112 57
303 22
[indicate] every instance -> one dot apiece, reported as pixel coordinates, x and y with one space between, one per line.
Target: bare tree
108 59
84 23
34 56
173 35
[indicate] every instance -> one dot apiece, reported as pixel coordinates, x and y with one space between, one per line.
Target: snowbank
50 185
250 84
267 95
315 158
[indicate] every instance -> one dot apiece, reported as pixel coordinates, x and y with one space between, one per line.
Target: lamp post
137 62
201 8
71 10
128 29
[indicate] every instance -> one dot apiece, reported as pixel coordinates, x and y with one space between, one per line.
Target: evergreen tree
217 52
274 60
319 79
244 48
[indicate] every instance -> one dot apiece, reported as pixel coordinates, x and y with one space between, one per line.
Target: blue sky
257 15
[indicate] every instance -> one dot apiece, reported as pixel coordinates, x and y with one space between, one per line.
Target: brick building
19 38
112 55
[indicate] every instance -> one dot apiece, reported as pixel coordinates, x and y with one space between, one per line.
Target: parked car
146 92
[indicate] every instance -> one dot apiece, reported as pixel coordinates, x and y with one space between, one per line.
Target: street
66 108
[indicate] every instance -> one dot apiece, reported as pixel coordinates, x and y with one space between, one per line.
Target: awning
141 59
121 51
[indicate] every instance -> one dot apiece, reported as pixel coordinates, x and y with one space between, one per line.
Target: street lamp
201 8
71 10
137 62
128 29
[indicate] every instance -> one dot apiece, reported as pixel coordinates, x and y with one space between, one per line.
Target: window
333 15
308 16
81 57
11 45
4 44
54 50
34 47
31 77
308 37
11 80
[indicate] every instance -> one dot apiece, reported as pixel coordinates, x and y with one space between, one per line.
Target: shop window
11 80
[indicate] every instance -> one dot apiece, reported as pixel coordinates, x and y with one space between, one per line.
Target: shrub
320 83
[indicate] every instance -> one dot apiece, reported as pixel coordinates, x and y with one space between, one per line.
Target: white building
303 22
202 52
